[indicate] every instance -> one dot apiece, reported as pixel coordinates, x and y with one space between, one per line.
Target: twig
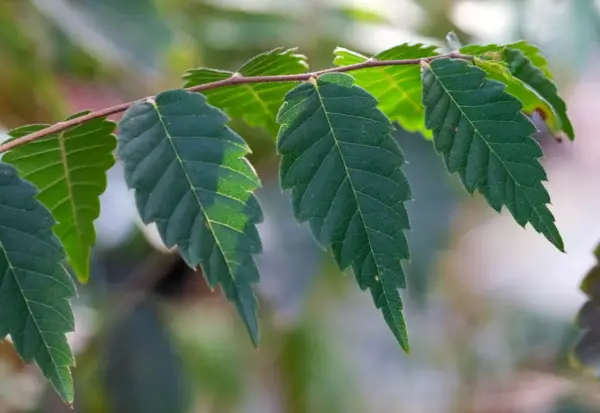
234 80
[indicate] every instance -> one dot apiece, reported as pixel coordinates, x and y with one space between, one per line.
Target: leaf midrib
535 209
193 190
398 87
65 162
12 269
335 140
262 103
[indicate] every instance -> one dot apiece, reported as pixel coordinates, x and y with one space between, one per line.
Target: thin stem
234 80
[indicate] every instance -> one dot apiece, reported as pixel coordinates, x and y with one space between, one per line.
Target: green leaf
525 71
482 135
256 103
191 178
530 99
531 51
522 68
69 170
344 169
34 287
534 54
397 88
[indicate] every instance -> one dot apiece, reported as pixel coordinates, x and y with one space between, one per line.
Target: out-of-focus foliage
587 349
142 370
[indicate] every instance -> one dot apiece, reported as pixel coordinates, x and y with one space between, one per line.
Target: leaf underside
34 287
256 103
397 88
482 135
344 169
69 170
191 178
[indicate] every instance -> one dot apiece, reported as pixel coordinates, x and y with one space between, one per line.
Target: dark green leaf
397 88
482 135
191 178
69 170
345 171
34 287
257 103
522 68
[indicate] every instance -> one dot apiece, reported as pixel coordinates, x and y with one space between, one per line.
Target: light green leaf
191 178
256 103
34 287
69 170
482 135
534 54
397 88
344 169
495 51
531 100
522 68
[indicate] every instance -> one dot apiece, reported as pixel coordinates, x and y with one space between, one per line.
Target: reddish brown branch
234 80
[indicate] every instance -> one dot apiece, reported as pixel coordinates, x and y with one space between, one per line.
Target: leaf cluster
334 132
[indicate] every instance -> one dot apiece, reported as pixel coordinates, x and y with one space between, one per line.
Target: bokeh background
490 306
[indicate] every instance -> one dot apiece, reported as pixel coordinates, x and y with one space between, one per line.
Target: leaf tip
559 244
254 337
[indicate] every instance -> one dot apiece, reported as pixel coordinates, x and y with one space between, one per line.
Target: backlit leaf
522 68
482 135
397 88
534 54
34 287
522 64
191 178
69 170
256 103
531 51
530 99
344 169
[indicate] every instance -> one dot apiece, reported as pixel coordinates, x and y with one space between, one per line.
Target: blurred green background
489 306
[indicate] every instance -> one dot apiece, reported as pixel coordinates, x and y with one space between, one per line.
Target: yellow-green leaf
397 88
69 170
